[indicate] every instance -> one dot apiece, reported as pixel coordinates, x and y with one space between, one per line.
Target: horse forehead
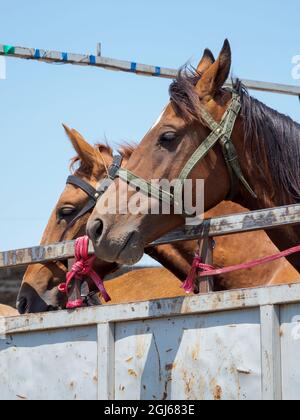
71 193
166 114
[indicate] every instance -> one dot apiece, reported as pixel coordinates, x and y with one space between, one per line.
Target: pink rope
203 270
83 267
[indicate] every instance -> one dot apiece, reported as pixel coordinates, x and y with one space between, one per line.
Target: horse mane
272 139
183 94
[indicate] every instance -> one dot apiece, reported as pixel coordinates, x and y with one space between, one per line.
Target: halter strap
83 185
93 193
221 132
144 186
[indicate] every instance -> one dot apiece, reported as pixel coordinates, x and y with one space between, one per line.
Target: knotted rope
82 268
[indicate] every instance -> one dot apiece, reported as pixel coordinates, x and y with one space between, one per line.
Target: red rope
83 267
203 270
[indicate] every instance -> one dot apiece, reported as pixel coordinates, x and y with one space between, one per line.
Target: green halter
220 133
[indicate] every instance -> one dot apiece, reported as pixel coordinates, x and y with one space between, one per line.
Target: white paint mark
159 119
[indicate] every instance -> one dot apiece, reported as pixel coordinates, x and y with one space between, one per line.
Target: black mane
275 139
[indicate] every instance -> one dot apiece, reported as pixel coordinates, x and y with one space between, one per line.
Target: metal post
206 284
99 49
271 353
106 361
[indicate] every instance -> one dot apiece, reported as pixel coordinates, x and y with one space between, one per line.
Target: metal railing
220 226
126 66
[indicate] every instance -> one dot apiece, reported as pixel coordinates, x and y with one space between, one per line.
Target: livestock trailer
233 345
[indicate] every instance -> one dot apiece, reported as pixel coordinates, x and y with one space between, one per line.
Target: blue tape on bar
65 56
37 54
92 59
133 67
157 71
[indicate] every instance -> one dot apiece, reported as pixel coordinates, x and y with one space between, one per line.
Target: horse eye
66 211
168 137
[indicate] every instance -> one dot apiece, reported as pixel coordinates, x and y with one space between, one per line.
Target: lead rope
82 268
200 270
195 282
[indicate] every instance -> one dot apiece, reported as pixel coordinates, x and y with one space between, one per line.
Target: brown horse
39 289
267 145
6 311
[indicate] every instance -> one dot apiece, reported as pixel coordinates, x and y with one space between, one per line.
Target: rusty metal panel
290 351
52 365
232 345
207 357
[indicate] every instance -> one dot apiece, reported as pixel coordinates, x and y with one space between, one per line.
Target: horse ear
214 78
85 151
206 61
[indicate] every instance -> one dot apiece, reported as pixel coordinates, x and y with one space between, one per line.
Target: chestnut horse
39 289
6 311
267 146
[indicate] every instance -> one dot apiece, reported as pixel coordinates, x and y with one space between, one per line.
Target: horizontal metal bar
220 226
165 308
127 66
237 223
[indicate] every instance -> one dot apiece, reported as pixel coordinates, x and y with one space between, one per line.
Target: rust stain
141 347
196 352
132 373
170 366
189 382
218 393
216 390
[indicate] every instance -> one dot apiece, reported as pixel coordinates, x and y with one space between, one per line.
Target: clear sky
36 98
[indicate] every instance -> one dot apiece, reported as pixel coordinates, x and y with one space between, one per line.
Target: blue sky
36 98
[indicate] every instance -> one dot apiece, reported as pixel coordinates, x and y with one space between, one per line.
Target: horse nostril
95 229
22 305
